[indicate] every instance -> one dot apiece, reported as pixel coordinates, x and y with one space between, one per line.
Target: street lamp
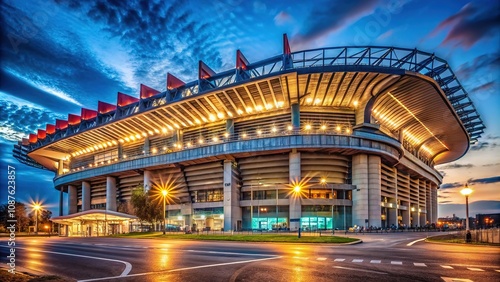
36 207
466 192
164 193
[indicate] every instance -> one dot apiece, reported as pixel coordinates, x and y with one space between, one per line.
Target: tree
145 207
20 216
43 218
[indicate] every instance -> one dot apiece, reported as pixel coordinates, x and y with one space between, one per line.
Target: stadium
319 139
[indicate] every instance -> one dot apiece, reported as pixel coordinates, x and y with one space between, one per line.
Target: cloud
488 86
495 164
471 181
160 37
444 202
330 16
470 25
282 18
487 62
16 121
480 146
455 165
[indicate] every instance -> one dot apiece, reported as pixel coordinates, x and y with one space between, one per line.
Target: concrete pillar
434 204
392 214
110 193
374 185
406 213
146 146
85 196
295 200
147 180
187 211
61 192
366 197
60 167
230 128
296 116
120 151
232 209
72 199
178 137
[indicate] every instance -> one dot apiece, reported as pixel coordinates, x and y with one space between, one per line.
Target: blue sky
57 56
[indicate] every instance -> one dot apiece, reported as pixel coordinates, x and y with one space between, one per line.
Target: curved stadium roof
407 91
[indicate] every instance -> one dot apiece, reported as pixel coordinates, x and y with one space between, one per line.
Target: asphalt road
381 257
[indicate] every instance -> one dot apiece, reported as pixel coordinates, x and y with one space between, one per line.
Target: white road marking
339 260
179 269
419 264
230 253
375 261
357 260
449 279
358 269
474 269
321 259
447 266
411 243
128 266
397 262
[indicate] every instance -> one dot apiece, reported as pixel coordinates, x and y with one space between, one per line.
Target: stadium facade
318 139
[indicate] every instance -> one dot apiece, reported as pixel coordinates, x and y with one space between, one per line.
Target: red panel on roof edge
33 138
61 124
125 100
286 45
41 134
50 128
88 114
173 82
104 108
73 119
147 92
204 71
241 61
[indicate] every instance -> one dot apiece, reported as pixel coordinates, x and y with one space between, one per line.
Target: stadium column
61 191
230 127
110 193
147 180
72 199
295 201
85 196
232 209
146 146
295 116
366 198
60 167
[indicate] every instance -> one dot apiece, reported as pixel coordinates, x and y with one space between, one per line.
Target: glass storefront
268 223
208 219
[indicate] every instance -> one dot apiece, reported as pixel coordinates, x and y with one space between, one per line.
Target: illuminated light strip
415 117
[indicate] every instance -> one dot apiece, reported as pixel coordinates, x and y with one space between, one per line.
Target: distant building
318 139
487 220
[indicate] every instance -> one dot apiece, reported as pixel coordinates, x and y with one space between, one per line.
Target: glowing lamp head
296 189
164 192
37 206
466 191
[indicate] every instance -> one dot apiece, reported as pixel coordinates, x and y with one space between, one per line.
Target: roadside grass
241 237
5 276
457 239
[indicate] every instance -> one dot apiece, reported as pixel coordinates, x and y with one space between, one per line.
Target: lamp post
164 193
36 207
296 190
466 192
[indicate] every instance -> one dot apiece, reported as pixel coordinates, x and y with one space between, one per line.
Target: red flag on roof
73 119
286 45
50 128
33 138
204 71
173 82
125 100
61 124
104 108
241 61
41 134
88 114
147 92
